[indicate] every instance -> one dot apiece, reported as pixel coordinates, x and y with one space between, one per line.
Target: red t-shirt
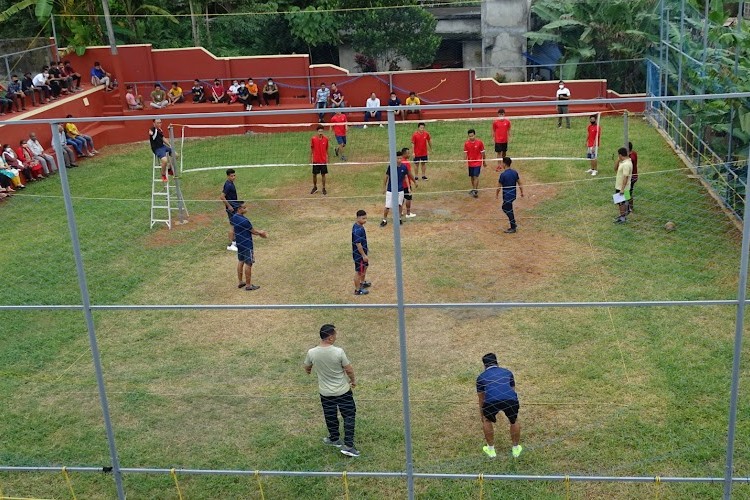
407 164
474 150
501 127
634 160
339 130
419 140
319 147
594 135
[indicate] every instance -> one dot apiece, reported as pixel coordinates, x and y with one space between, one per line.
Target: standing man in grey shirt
333 369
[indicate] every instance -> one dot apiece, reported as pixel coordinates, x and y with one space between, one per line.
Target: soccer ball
670 226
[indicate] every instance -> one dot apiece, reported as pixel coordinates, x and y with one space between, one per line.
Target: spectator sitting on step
218 94
372 103
252 90
27 157
41 82
159 97
15 93
37 153
27 86
199 93
271 91
72 131
68 77
69 154
6 104
70 143
73 74
233 91
395 101
175 94
134 102
14 163
10 177
56 80
100 77
337 98
243 96
412 105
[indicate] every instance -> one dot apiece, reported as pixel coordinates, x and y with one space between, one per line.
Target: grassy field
610 391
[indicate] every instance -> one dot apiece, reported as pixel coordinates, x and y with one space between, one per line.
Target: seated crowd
31 161
239 92
333 98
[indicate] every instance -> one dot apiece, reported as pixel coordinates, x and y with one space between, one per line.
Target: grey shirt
329 363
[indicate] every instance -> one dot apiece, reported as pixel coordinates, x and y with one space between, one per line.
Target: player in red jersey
339 130
319 158
593 139
501 132
475 160
421 141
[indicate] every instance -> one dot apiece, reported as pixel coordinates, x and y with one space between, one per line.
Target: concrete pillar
504 23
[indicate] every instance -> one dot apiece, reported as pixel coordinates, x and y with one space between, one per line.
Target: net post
181 212
471 90
737 356
400 304
87 311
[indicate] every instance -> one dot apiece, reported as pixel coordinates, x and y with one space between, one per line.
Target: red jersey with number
474 151
501 127
340 128
319 148
594 135
419 140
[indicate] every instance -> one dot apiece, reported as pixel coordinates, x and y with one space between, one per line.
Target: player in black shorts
496 393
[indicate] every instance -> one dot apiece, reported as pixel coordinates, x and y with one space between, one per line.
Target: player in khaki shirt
335 383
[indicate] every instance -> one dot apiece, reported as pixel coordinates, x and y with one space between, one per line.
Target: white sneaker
249 107
409 216
381 125
589 170
365 126
232 248
594 172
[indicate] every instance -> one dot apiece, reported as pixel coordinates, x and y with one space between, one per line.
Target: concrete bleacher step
104 133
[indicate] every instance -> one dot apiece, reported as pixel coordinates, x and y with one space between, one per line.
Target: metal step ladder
166 198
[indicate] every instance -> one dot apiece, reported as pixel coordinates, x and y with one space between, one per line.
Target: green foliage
390 34
313 25
592 30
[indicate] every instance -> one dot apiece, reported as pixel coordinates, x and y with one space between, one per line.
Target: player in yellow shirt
175 94
72 131
412 103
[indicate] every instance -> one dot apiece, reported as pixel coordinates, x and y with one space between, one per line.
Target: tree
388 34
592 30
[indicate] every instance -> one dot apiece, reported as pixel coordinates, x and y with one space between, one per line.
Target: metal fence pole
738 30
181 212
87 311
682 57
739 327
471 88
54 35
400 300
626 138
7 68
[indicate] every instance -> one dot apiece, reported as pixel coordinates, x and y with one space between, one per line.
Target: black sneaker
314 190
621 220
365 284
424 177
361 291
383 223
476 194
400 222
350 451
336 150
510 230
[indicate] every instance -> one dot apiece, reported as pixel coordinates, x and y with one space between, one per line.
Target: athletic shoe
490 452
164 178
409 216
400 222
250 288
620 220
336 150
350 451
324 191
232 247
511 230
383 223
249 107
343 158
90 155
170 172
361 291
314 190
476 194
364 126
381 125
424 177
517 449
589 170
594 172
365 284
330 442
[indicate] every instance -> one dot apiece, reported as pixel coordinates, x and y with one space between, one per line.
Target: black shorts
319 168
407 194
360 266
501 146
508 406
